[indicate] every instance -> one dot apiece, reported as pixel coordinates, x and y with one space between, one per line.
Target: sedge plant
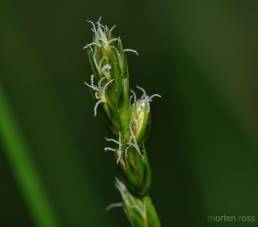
128 118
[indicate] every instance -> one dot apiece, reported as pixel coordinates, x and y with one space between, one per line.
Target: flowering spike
128 119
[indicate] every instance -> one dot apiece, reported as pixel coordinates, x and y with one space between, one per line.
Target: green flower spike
128 118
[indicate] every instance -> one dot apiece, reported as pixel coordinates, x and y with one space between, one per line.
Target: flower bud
140 212
108 60
136 171
140 119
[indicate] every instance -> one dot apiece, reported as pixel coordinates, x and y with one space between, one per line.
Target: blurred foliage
201 56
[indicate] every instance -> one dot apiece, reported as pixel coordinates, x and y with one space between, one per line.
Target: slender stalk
129 120
22 166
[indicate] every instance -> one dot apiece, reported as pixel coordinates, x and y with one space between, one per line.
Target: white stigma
99 91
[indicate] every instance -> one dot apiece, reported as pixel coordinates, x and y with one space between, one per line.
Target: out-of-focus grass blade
54 140
21 163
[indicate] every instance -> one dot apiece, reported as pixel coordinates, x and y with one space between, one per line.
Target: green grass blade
23 168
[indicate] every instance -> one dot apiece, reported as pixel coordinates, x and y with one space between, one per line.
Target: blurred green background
201 56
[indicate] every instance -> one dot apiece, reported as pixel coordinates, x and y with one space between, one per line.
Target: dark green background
201 56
